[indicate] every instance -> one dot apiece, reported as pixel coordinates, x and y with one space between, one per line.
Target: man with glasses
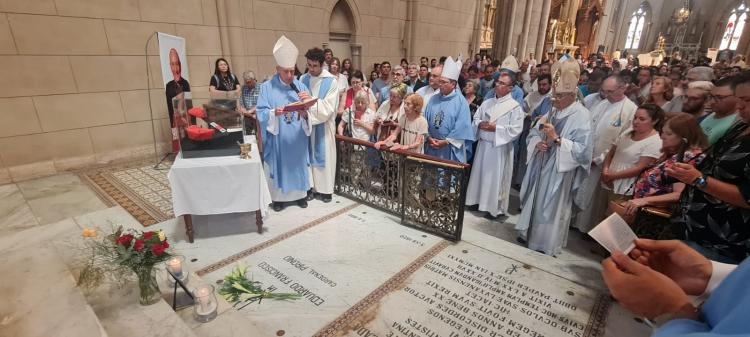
559 151
397 77
724 105
322 85
497 124
611 118
448 118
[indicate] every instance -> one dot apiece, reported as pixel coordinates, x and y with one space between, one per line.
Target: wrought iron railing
428 193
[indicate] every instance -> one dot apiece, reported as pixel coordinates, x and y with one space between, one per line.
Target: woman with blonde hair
389 112
412 127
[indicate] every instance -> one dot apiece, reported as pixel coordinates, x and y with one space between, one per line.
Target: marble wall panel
45 146
201 69
121 136
20 114
392 28
111 9
309 19
109 73
64 112
50 75
129 37
135 105
269 15
174 11
200 40
7 45
210 15
26 6
370 25
55 35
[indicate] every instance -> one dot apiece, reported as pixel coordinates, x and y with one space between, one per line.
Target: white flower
162 236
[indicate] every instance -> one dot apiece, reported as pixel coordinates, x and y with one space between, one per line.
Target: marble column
511 25
501 29
356 50
543 20
522 52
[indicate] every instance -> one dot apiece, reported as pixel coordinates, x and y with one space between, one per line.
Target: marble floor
50 212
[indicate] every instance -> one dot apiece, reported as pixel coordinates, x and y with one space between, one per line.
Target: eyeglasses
717 98
501 84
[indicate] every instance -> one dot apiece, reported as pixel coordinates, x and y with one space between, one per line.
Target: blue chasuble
725 313
287 153
448 117
318 157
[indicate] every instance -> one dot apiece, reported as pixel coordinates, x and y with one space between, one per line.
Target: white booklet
613 233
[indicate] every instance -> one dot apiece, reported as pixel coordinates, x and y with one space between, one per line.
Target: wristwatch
700 182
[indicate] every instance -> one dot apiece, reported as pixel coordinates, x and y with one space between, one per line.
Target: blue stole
318 156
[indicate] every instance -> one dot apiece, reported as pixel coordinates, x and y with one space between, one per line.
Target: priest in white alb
433 88
559 155
286 144
322 115
497 123
610 118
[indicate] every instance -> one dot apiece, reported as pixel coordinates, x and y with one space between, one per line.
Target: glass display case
209 125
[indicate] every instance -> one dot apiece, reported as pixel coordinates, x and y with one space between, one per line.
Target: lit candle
203 298
175 266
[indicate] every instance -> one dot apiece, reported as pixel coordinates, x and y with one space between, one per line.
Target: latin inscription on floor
476 293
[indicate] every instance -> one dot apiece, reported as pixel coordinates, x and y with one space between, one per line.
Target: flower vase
148 288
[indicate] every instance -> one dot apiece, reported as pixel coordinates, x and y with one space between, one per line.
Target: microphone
294 87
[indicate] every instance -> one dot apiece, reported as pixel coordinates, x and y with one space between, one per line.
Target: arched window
635 29
734 27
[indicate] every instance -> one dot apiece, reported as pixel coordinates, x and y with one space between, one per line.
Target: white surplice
609 121
489 184
552 179
426 92
324 112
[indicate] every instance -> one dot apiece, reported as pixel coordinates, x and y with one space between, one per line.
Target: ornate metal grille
428 193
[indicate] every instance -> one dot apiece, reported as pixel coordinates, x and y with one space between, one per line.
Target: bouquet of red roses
118 255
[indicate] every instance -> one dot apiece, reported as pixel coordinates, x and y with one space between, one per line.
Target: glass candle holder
176 266
206 305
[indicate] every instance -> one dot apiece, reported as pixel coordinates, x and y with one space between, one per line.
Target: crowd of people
667 147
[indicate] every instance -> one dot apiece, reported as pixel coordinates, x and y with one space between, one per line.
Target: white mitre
510 63
285 53
565 74
451 69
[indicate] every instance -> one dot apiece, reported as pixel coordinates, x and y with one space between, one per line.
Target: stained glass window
734 27
635 29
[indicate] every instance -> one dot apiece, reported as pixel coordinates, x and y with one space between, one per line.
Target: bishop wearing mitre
287 142
558 156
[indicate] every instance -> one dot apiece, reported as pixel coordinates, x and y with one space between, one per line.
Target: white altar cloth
219 185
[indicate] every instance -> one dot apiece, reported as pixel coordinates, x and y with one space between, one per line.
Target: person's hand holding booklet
301 105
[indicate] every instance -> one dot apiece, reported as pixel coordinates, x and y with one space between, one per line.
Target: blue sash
318 154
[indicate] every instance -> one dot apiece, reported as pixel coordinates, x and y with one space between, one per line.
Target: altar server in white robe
322 85
558 156
286 144
610 119
497 123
